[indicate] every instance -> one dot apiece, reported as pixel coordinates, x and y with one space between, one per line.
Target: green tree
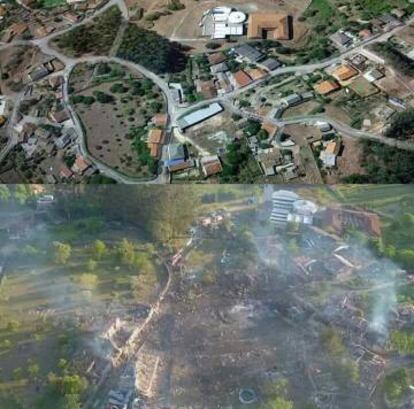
62 364
104 98
252 127
17 373
68 384
6 344
91 265
62 252
5 194
213 46
332 342
29 250
151 50
95 37
348 370
402 125
118 88
99 249
71 401
276 388
397 384
33 369
13 325
22 193
293 246
406 257
262 134
403 342
126 252
279 403
86 280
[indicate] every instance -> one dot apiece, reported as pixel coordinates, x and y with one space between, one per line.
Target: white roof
285 195
237 17
200 115
220 18
222 10
236 30
2 106
221 30
305 207
328 159
225 22
287 143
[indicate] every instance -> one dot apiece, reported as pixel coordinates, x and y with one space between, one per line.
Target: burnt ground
243 314
214 339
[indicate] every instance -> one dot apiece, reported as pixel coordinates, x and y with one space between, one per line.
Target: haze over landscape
206 297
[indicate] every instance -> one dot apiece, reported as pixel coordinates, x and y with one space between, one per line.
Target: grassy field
376 7
50 311
323 9
384 198
92 38
363 88
53 3
132 101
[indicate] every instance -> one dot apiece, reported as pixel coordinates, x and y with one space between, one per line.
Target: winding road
175 110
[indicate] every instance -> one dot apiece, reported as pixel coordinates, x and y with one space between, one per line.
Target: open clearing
215 132
132 100
183 25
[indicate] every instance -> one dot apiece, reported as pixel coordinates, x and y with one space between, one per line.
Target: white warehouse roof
199 115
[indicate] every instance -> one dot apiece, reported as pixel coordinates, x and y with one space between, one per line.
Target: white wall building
2 105
283 201
288 207
220 22
302 212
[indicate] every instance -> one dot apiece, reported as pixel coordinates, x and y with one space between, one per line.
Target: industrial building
220 22
302 212
271 64
283 201
248 53
199 116
288 207
2 105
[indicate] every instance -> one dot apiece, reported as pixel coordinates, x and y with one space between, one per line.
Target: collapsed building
289 207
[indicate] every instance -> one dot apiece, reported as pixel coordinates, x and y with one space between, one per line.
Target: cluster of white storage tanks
223 22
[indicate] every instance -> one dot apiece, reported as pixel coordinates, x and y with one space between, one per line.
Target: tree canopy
384 164
402 125
149 49
163 212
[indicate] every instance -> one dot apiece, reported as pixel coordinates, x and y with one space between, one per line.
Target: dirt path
118 39
128 351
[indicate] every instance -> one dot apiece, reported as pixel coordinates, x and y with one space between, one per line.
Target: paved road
302 69
13 138
346 130
82 145
175 111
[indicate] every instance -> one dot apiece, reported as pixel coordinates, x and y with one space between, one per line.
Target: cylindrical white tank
304 207
236 17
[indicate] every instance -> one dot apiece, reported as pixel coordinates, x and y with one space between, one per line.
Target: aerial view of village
181 91
206 297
